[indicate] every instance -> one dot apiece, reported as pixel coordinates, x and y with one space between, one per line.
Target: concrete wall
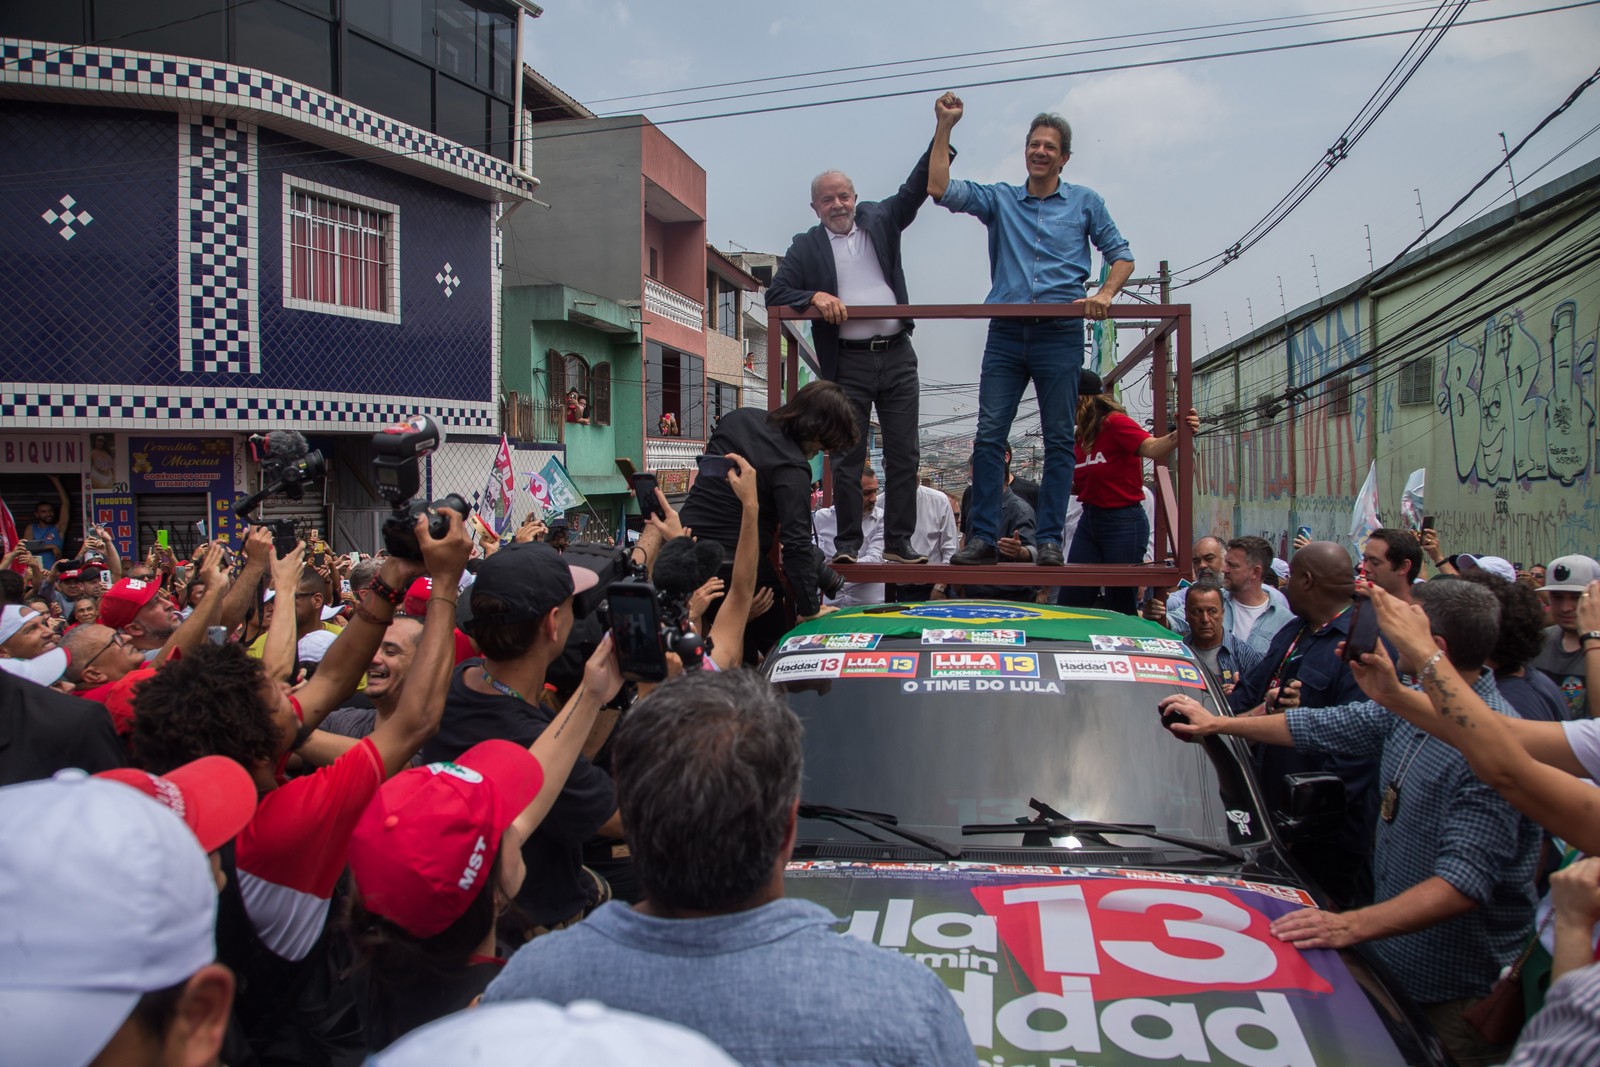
589 238
1505 425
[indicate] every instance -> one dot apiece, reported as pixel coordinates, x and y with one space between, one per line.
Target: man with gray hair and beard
1453 862
851 257
708 771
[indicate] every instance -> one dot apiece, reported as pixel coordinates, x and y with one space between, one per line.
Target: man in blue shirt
1039 236
1453 861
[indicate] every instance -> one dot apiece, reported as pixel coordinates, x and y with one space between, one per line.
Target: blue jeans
1050 354
1107 535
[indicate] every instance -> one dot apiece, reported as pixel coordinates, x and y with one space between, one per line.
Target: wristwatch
1591 635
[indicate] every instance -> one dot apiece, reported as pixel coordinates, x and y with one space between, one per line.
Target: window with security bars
341 254
1416 382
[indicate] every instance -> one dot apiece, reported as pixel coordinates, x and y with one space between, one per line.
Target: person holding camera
778 445
520 612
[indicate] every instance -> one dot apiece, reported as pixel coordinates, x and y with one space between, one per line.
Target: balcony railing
525 418
668 302
668 452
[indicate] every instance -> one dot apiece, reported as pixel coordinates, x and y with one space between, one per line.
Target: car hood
1051 965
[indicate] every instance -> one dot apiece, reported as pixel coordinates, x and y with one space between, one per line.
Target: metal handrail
1174 518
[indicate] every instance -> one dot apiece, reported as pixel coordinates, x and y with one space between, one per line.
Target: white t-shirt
1246 617
1584 737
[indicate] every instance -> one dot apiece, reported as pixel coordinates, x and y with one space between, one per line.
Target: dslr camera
286 463
398 465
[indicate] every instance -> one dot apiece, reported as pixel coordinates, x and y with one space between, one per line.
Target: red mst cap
213 794
126 599
424 847
417 597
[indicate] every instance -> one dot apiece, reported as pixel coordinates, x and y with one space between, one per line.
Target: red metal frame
1174 521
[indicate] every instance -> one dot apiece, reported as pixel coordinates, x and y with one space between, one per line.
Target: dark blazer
808 265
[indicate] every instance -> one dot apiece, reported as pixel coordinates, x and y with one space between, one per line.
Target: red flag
9 537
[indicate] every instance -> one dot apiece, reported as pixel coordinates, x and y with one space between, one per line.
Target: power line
1399 75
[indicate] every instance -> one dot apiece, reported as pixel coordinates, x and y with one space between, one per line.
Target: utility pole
1227 325
1251 312
1315 276
1370 265
1420 214
1281 302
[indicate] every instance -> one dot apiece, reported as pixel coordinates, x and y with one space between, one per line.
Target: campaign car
989 789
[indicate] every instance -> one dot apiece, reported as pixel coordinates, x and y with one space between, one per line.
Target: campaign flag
563 491
541 492
1411 506
1103 338
9 537
1364 516
496 500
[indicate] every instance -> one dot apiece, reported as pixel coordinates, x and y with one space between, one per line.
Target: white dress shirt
861 281
936 535
825 527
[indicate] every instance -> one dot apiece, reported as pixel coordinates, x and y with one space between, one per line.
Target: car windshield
938 753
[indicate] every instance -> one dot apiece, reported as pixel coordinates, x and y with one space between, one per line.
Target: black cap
528 578
1089 383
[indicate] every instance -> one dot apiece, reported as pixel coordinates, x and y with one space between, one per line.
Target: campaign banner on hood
1054 966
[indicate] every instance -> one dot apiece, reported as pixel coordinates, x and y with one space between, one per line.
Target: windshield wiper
885 822
1052 823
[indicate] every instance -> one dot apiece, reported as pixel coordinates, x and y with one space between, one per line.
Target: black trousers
887 379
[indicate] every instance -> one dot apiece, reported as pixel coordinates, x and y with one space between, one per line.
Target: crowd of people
294 807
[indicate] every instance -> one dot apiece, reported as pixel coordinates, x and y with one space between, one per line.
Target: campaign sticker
974 637
880 664
1164 646
984 665
1170 671
829 642
811 665
1105 668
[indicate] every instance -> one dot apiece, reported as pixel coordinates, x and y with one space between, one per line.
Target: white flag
1364 516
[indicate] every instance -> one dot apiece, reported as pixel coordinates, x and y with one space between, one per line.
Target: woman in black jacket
779 445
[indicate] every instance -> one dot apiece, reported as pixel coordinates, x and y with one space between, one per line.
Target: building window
724 398
577 374
341 252
727 310
675 384
600 387
1339 396
652 270
1416 382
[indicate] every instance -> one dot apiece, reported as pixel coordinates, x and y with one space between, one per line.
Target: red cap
424 847
417 596
126 599
213 794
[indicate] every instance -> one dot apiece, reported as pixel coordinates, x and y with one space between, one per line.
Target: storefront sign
114 511
32 453
180 464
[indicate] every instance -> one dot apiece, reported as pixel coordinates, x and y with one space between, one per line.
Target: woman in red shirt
1109 481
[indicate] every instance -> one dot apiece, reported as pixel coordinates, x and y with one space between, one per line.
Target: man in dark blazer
852 257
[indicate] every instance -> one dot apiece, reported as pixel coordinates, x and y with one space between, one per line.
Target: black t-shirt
43 731
555 888
389 1015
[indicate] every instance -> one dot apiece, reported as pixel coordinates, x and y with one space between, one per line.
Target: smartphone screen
636 631
161 538
1427 522
714 466
319 559
1363 632
644 490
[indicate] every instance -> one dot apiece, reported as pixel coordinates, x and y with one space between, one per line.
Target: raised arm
416 719
947 112
1164 446
64 515
727 633
213 570
280 650
1530 764
258 554
109 550
559 746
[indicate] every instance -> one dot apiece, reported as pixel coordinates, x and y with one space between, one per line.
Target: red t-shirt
293 850
1112 476
118 697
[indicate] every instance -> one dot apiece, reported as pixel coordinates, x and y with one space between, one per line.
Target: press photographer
778 445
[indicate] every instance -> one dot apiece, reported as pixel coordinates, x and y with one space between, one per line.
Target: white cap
331 610
43 669
585 1031
1570 574
314 645
1280 567
104 895
13 617
1494 565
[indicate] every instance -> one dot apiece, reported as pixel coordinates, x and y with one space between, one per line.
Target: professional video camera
288 464
398 463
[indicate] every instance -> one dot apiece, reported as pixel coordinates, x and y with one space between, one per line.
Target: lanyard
1389 805
502 688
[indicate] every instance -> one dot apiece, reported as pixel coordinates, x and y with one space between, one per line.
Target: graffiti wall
1499 329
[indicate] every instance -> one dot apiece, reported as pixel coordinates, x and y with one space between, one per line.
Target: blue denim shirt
1038 246
776 985
1447 824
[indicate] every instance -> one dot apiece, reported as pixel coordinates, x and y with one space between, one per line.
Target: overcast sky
1187 156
